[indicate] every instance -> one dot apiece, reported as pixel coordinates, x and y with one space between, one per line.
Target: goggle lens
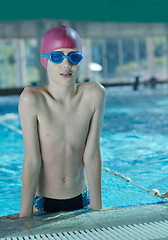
75 58
58 57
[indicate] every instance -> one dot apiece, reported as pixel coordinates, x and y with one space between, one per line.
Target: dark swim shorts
56 205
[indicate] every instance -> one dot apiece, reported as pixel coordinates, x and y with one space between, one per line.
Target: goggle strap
44 55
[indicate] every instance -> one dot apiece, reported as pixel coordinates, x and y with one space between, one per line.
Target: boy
61 124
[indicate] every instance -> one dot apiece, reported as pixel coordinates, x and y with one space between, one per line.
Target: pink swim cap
59 37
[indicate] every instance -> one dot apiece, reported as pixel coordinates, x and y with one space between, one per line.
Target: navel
64 180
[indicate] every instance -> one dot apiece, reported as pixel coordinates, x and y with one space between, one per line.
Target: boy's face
64 73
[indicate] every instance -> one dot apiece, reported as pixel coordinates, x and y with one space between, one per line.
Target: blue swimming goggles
58 57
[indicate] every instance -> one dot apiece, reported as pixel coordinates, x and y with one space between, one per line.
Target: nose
66 63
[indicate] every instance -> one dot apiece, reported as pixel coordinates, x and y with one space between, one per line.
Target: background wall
106 10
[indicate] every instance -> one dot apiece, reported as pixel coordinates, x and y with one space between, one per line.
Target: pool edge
82 220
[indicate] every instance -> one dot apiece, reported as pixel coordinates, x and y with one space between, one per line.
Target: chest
71 123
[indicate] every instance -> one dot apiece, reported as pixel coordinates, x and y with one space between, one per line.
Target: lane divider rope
153 192
11 127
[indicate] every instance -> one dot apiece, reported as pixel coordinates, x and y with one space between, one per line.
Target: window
18 63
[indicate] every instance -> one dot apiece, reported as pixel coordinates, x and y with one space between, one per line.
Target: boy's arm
92 155
28 106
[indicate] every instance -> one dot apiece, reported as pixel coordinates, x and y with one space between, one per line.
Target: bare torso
61 125
63 130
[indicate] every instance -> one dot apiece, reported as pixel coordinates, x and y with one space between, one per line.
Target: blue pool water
133 142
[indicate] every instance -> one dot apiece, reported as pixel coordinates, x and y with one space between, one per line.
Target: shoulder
31 95
93 89
30 98
94 94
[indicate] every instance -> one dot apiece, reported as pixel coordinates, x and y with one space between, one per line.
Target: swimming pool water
133 142
11 157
